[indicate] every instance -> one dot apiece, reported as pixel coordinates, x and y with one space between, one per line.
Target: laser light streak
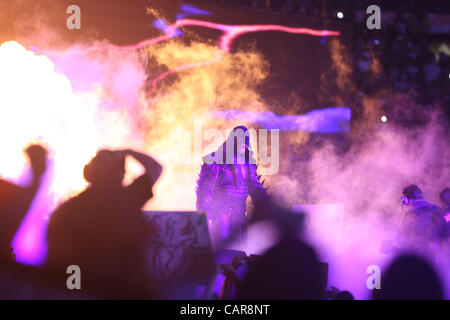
229 34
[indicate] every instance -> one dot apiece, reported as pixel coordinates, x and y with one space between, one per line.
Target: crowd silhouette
102 231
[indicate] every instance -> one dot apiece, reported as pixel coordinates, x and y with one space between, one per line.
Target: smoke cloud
76 100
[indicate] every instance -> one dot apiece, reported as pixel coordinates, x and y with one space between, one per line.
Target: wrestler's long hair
238 136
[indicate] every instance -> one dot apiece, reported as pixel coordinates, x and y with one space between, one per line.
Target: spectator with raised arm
102 229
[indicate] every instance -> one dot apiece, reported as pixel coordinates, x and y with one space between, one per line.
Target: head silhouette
107 168
413 192
409 277
445 197
290 271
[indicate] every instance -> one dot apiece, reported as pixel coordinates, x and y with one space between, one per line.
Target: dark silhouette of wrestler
102 229
227 177
15 201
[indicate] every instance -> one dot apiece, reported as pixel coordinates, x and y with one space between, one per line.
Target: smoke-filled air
167 94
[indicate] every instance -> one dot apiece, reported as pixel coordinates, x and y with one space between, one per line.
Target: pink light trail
230 33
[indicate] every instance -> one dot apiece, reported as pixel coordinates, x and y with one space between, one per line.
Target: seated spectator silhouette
15 201
335 294
409 277
102 229
344 295
288 271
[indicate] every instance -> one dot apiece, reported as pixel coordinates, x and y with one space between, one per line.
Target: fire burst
37 104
